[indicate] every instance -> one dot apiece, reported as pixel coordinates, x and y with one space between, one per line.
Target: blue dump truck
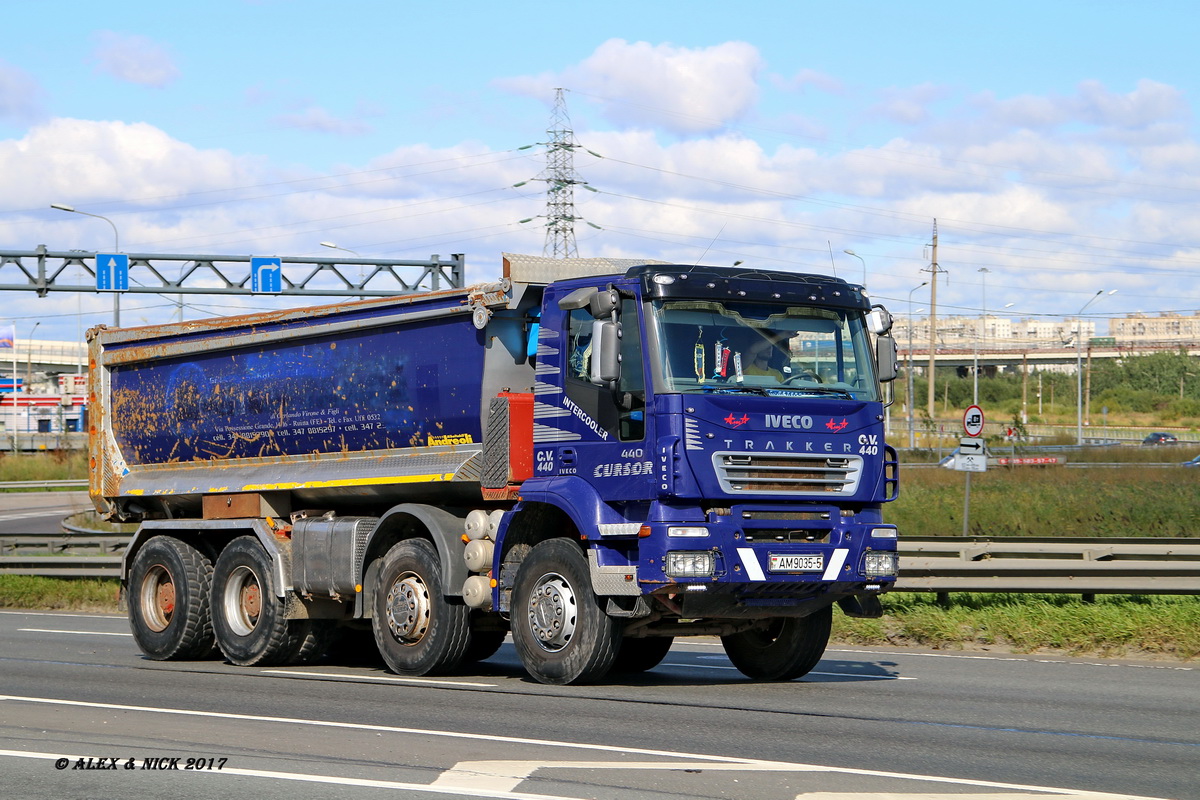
596 464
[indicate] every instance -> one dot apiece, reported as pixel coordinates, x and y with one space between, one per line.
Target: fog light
879 563
687 564
688 532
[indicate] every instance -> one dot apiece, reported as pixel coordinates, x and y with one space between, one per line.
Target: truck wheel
642 655
786 648
562 634
168 600
248 617
417 631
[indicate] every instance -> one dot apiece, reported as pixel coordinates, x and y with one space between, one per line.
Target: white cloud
318 120
686 91
135 59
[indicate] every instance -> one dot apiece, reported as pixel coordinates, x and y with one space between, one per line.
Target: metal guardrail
1049 565
66 484
942 564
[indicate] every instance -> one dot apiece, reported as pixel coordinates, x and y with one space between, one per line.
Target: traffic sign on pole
112 272
266 275
973 420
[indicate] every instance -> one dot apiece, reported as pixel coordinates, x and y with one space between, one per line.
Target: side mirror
879 320
606 353
886 359
602 304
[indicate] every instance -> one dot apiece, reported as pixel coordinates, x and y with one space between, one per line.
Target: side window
621 412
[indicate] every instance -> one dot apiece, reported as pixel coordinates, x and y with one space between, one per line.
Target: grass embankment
1050 501
57 466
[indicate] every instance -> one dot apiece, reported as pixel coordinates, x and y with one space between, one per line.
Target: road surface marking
331 779
711 760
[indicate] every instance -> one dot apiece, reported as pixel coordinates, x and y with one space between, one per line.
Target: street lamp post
1079 365
911 441
116 249
864 263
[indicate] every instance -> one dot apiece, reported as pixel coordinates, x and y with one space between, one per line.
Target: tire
562 634
318 636
488 630
785 649
642 655
168 600
248 616
417 630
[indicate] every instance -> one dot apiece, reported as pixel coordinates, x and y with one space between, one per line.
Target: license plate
790 563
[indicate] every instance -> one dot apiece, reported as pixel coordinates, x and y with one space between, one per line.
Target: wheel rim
408 608
156 598
242 601
553 612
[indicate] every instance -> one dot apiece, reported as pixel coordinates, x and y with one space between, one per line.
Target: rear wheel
168 600
417 630
562 634
783 649
248 617
642 655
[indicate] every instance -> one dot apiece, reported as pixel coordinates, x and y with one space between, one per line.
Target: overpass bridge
1038 355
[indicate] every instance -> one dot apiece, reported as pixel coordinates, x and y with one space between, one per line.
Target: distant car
1160 438
1195 462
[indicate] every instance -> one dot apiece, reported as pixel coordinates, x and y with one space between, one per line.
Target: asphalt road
38 512
866 723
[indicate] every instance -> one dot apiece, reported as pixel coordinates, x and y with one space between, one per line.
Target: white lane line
49 512
543 743
376 678
1064 660
332 779
73 633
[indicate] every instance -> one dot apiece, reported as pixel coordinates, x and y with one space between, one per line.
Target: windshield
772 349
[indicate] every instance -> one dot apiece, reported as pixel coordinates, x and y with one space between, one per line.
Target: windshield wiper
817 390
737 388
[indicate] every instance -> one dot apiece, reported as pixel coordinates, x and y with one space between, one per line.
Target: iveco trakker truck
596 464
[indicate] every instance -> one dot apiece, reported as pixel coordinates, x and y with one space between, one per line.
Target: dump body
597 464
365 402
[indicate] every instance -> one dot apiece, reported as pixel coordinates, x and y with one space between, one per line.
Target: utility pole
933 269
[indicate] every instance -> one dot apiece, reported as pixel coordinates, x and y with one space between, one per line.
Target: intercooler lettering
583 417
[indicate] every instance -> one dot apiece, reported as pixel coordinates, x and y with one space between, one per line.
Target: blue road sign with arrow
266 274
112 272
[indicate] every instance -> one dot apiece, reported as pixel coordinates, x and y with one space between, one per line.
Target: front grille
807 474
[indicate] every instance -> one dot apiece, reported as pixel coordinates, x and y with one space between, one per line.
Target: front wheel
417 630
561 633
642 655
782 650
168 600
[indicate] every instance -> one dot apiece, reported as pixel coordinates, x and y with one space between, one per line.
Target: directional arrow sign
266 275
112 272
971 446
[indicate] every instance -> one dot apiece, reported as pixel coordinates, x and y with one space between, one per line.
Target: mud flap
865 605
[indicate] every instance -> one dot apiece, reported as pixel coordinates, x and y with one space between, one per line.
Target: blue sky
1054 142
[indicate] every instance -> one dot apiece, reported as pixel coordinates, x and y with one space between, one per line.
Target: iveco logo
789 421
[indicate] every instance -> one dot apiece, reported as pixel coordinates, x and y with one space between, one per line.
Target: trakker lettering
795 446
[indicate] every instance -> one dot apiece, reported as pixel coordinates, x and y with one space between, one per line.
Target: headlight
884 533
688 564
879 563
